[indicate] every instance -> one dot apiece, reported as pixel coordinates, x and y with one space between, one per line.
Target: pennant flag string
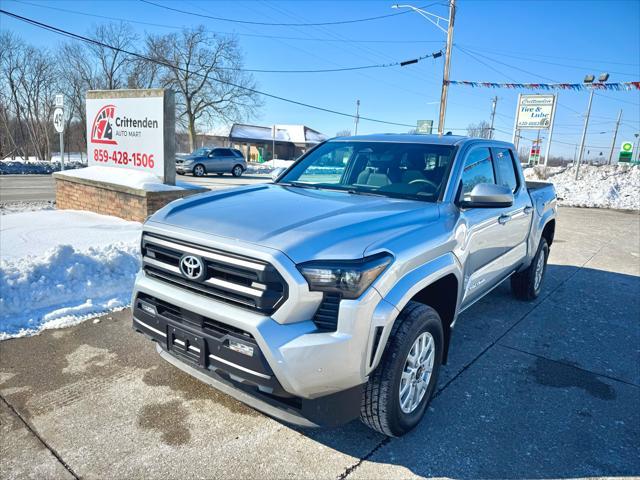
619 86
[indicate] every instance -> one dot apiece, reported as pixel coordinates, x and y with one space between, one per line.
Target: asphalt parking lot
539 390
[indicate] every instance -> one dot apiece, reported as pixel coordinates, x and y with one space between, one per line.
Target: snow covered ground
268 167
128 178
604 186
58 268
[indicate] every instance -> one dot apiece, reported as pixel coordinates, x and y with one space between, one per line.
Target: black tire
523 284
199 170
380 408
180 173
237 170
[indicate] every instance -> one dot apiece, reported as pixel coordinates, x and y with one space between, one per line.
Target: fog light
150 309
241 348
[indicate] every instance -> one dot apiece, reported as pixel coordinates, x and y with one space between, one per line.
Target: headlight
347 277
187 162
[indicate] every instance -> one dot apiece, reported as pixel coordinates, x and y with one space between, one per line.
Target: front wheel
526 285
399 390
199 171
237 171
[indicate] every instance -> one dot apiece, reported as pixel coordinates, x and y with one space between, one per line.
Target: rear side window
505 168
222 152
477 169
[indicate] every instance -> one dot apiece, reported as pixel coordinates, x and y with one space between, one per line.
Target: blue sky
512 41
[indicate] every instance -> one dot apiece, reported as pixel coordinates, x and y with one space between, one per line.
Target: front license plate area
185 344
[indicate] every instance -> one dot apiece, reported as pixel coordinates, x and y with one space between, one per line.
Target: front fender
403 291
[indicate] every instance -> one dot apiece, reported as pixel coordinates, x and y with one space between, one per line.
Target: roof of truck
409 138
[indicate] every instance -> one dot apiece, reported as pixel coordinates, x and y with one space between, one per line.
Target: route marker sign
58 120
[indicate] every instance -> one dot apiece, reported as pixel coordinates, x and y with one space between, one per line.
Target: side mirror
276 173
488 195
210 155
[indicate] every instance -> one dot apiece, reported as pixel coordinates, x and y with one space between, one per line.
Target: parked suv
333 293
212 160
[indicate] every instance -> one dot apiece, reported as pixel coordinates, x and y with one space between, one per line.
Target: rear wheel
237 171
526 285
199 171
399 390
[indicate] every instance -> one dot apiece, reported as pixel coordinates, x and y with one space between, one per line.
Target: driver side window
478 168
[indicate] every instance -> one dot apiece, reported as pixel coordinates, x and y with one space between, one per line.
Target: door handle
502 219
528 210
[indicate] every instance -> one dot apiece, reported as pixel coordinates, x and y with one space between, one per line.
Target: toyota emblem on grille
191 267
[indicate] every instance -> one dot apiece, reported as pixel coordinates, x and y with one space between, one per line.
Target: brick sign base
111 199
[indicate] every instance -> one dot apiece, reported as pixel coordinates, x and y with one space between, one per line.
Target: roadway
41 188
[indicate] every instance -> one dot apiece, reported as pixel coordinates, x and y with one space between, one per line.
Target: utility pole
493 115
447 65
584 133
553 121
273 143
615 136
357 116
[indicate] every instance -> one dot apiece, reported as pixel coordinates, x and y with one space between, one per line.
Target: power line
565 58
250 22
255 35
326 70
82 38
555 63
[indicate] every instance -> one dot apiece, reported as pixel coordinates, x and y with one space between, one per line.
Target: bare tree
28 82
205 71
479 130
113 64
343 133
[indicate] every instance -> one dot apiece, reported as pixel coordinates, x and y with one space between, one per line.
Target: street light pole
436 19
357 116
447 65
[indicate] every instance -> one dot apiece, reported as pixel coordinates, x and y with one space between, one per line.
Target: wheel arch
437 284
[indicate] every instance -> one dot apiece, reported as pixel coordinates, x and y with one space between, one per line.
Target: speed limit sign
58 120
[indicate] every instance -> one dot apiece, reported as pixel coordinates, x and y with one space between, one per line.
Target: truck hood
304 224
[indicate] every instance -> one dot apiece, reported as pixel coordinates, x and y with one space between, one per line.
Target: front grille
326 317
230 278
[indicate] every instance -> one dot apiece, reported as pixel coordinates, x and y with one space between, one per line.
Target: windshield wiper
362 192
300 185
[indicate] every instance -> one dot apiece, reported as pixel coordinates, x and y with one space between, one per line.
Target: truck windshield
407 170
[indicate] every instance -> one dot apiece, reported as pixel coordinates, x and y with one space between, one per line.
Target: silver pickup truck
333 292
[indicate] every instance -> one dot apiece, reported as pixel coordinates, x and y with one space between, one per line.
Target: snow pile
20 206
35 167
268 167
603 186
128 178
59 268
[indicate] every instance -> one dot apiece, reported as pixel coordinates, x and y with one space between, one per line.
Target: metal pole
493 115
615 135
515 123
548 149
61 151
584 133
357 115
447 64
273 143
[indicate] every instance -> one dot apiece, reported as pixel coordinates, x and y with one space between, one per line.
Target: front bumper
182 168
302 364
231 361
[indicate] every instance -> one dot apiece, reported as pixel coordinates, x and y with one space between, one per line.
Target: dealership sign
535 112
126 130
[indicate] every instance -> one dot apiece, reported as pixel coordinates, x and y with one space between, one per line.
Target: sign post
58 123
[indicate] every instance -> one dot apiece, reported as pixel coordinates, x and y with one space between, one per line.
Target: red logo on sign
102 129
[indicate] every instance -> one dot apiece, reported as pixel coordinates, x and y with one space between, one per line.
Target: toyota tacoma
332 293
